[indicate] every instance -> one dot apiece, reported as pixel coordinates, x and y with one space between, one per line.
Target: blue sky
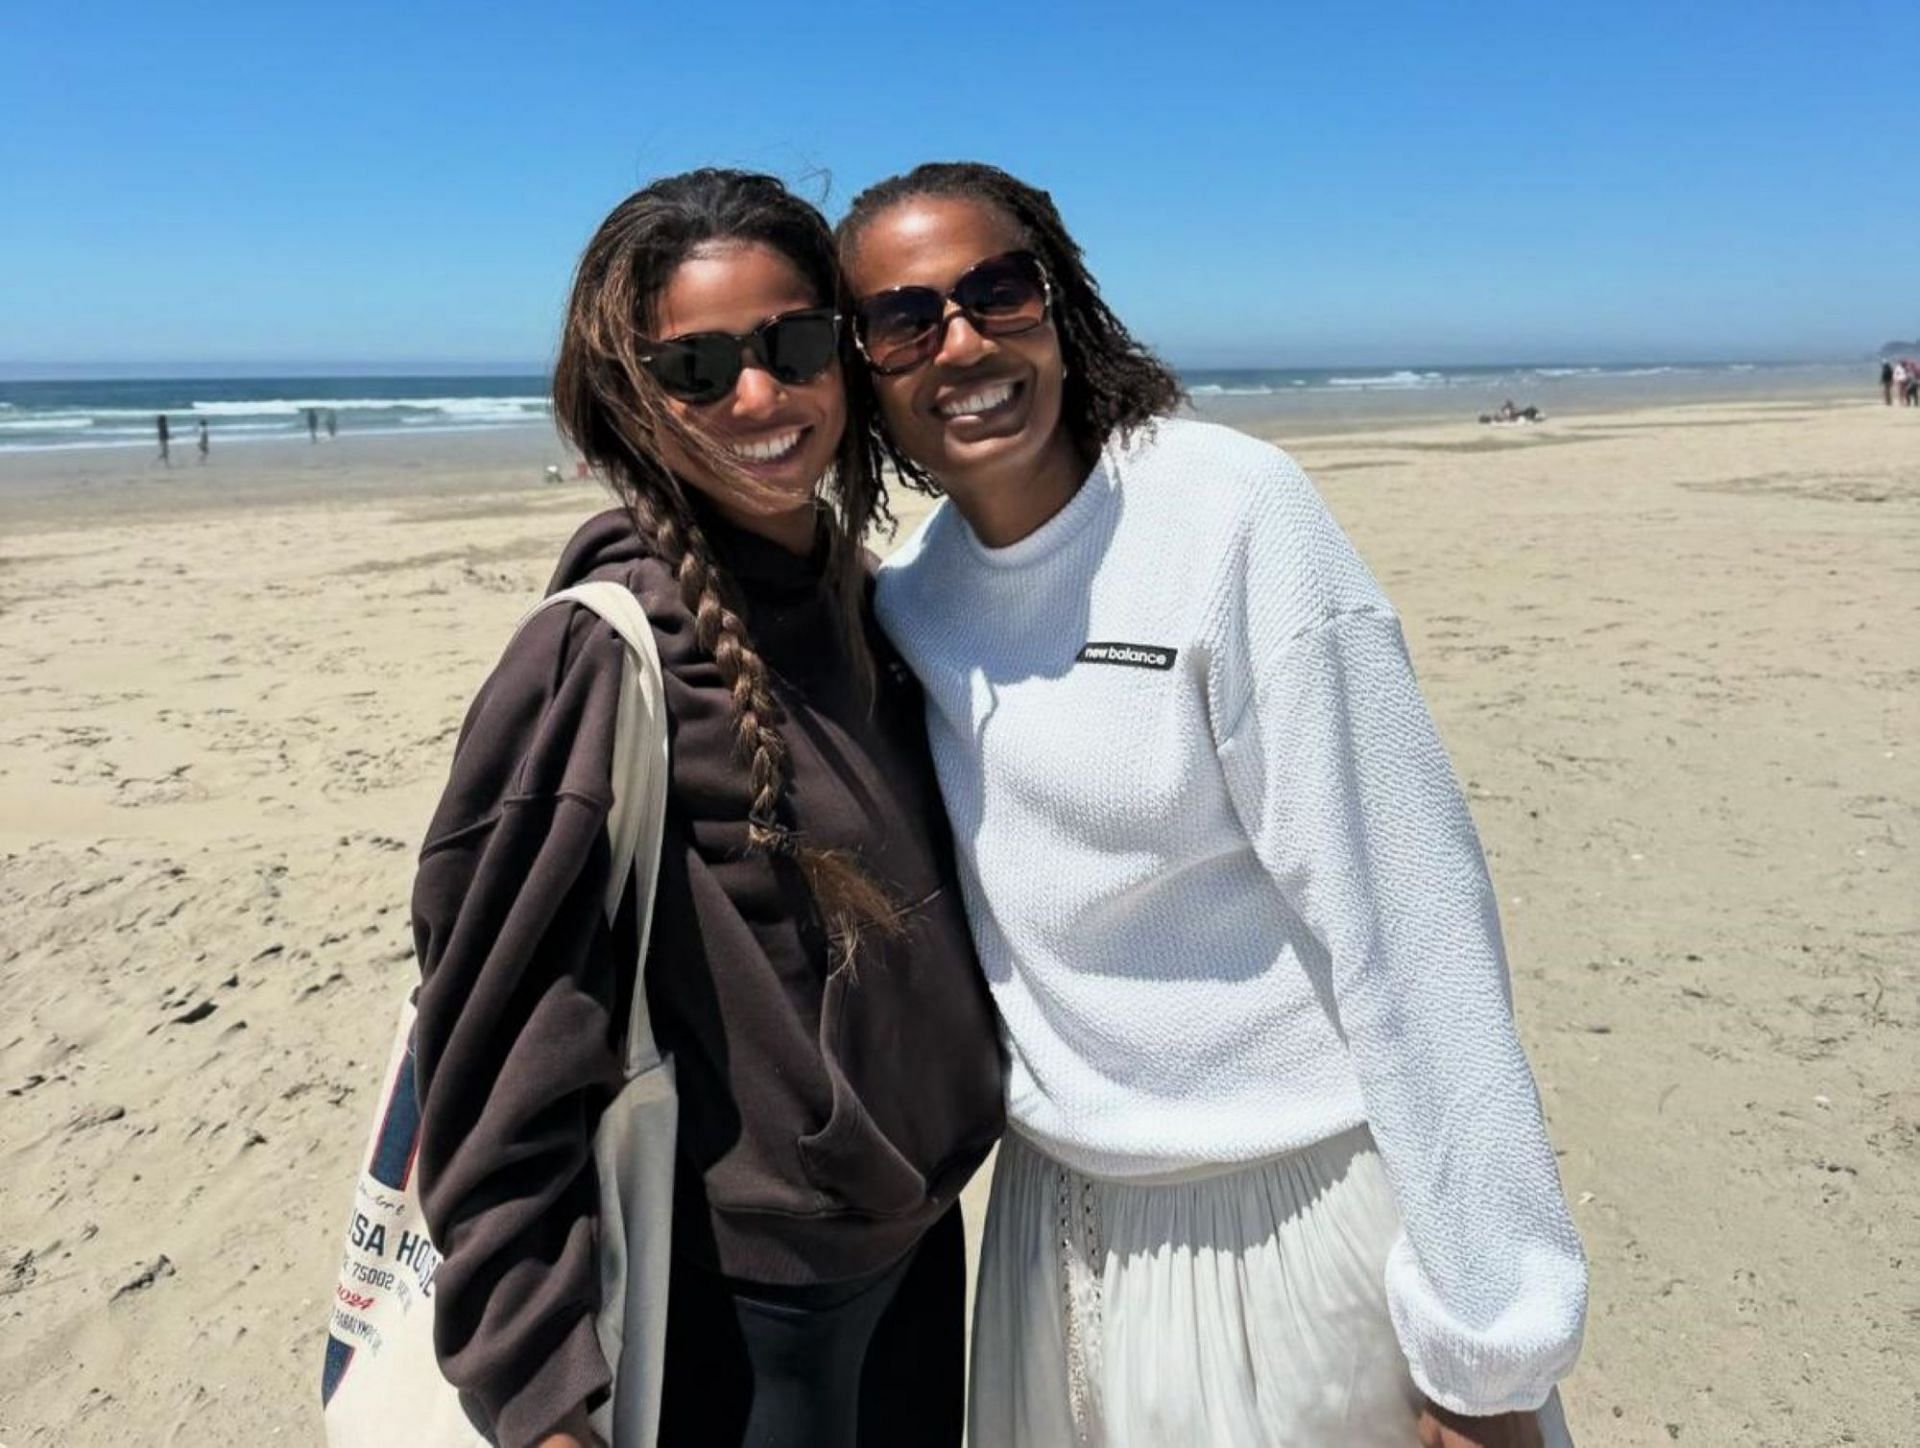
1274 183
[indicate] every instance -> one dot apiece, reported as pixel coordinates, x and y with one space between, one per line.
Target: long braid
721 632
850 901
1114 384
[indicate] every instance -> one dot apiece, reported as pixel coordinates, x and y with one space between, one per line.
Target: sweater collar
1087 503
757 564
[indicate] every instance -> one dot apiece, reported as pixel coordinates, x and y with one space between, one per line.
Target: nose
961 345
757 392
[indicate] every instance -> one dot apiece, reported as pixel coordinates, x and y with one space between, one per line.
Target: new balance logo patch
1133 656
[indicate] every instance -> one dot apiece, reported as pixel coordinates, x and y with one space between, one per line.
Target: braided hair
1114 384
609 406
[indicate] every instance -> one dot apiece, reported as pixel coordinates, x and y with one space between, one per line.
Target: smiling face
781 436
984 413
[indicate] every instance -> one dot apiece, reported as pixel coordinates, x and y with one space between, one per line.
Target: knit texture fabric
1224 886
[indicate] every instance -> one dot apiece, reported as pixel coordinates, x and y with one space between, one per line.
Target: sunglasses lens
697 369
800 347
1001 297
1004 295
901 328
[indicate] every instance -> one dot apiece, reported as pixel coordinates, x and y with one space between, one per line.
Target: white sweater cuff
1507 1364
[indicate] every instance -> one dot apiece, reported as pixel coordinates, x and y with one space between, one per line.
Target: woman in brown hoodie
809 968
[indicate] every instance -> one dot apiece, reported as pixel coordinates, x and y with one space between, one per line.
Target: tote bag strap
638 816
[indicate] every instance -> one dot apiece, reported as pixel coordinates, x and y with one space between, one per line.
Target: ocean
57 415
40 416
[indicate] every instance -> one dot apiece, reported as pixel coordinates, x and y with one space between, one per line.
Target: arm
516 1036
1345 791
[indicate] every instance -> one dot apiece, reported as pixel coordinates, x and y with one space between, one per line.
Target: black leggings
877 1362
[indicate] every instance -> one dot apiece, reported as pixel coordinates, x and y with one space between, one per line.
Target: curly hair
1114 384
610 407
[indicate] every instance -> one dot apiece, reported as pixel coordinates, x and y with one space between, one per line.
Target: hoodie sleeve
517 1034
1341 782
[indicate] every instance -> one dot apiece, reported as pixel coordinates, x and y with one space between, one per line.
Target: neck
1001 509
793 531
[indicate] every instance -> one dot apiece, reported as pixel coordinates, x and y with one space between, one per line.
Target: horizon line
157 370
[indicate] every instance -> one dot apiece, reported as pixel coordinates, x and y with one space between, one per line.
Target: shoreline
1303 399
1317 413
46 489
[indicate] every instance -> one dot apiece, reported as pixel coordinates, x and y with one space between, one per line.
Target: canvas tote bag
381 1384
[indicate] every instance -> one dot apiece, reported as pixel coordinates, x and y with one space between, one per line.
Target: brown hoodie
827 1118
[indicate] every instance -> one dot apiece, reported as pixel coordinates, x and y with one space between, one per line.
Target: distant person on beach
162 427
204 443
313 424
810 971
333 424
1886 382
1910 387
1278 1171
1509 413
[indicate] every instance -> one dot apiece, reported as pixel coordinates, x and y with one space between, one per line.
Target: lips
774 448
980 400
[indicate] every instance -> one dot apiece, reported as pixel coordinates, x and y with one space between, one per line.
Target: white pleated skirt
1236 1309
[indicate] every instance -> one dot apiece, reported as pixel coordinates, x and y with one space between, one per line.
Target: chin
784 500
996 454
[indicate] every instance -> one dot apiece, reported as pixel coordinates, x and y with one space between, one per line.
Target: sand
1672 652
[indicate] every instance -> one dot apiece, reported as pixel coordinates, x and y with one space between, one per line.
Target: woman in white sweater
1276 1172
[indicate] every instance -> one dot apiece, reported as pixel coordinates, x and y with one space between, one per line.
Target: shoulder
1176 443
908 571
929 539
1277 562
604 548
543 721
1244 503
1215 483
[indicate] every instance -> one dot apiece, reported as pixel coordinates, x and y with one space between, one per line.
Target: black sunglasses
795 347
899 329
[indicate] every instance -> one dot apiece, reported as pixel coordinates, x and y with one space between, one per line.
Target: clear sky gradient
1255 183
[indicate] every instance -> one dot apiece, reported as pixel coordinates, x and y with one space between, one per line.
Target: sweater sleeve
1342 784
516 1037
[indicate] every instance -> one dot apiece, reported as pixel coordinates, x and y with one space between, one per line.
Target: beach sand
1672 652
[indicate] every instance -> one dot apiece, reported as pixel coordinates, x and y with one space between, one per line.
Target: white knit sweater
1225 889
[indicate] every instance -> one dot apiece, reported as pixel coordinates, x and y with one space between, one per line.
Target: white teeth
768 449
981 401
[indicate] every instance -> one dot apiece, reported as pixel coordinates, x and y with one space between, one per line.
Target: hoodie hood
607 543
606 540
